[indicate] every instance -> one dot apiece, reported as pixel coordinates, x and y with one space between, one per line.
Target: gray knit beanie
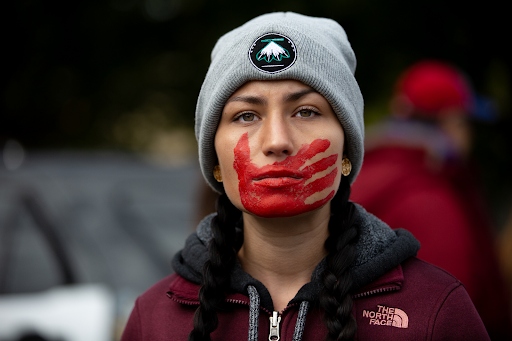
273 46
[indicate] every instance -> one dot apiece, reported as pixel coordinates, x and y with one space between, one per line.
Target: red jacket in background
407 189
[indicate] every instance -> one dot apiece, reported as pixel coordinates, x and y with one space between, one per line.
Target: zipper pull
274 327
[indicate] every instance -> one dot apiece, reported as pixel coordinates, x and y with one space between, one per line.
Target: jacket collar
379 249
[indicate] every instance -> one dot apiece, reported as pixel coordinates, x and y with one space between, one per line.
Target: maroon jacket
413 301
396 296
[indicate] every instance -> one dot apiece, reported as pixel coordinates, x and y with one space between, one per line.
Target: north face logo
386 316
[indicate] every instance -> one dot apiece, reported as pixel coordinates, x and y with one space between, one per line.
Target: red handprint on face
280 189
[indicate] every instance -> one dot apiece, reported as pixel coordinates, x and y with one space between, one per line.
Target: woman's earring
346 166
217 174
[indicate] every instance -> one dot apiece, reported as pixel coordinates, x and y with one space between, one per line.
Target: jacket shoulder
419 272
159 288
156 315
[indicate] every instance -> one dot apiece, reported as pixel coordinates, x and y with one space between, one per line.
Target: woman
279 122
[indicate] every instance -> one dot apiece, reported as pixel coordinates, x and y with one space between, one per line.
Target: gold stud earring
346 166
217 174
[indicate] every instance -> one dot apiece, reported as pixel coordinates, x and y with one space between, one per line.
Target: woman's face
279 146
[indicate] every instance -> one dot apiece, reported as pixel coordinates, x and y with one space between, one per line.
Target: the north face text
386 316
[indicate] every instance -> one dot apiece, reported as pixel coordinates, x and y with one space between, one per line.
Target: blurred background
99 183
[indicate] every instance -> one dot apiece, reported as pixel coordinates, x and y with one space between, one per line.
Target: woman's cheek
233 192
229 175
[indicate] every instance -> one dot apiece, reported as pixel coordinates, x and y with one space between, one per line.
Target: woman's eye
247 117
305 113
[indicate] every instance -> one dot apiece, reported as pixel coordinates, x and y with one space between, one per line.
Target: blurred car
81 236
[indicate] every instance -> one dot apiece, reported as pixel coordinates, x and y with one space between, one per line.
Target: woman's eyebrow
248 99
263 101
297 95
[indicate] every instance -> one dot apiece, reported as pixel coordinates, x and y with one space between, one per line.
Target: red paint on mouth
278 182
279 189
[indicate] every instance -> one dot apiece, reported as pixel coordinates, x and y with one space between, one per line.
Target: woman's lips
277 177
278 182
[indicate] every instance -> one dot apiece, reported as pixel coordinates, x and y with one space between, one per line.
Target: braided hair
335 298
222 251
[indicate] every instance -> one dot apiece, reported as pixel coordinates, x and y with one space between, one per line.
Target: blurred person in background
417 175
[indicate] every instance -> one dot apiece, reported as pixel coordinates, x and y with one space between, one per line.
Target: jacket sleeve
457 319
132 331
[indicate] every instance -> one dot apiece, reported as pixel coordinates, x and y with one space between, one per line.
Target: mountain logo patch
272 52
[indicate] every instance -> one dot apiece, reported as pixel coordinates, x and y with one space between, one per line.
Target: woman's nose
277 137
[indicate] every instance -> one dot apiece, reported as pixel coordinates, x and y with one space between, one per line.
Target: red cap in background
434 88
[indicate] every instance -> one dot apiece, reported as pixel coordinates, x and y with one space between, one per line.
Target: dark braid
216 271
335 299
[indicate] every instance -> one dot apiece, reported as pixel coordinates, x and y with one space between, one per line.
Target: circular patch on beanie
272 52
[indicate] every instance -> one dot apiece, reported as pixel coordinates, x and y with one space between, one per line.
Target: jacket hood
379 250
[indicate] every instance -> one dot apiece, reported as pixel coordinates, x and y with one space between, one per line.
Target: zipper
275 319
229 300
197 302
377 291
182 301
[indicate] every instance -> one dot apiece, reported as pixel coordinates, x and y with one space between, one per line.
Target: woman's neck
283 252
